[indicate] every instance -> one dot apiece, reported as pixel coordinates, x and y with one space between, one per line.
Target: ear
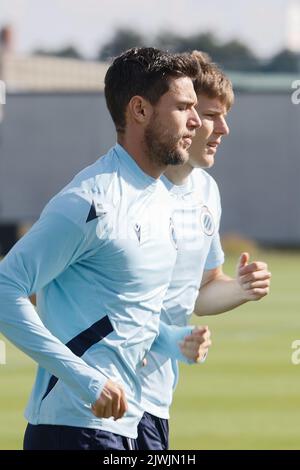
139 109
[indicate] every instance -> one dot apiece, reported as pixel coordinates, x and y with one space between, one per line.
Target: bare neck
178 174
134 145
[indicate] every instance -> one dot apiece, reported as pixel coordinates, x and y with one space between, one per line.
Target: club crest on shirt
173 234
207 221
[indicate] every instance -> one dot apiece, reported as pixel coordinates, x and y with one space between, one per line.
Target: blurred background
54 122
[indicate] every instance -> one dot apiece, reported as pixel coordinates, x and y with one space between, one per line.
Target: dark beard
162 153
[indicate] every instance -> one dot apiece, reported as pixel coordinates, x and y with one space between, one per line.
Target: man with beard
100 259
200 256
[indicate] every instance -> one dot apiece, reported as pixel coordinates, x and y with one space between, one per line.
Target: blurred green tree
285 61
68 52
231 55
123 39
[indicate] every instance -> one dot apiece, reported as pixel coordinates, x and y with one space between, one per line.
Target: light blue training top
196 221
100 259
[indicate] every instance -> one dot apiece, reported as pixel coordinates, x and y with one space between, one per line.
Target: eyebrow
187 101
214 111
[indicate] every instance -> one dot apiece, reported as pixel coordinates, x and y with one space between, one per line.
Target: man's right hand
112 402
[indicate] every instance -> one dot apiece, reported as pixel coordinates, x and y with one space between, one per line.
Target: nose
222 127
194 120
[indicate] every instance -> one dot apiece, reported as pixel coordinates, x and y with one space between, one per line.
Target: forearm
219 296
20 323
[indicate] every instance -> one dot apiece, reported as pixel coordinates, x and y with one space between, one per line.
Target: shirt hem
112 426
155 410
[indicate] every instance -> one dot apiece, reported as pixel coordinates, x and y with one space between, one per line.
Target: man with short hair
198 283
100 259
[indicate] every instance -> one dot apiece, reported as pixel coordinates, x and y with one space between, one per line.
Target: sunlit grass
247 394
245 397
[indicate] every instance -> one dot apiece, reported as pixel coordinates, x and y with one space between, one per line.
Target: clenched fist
195 346
111 403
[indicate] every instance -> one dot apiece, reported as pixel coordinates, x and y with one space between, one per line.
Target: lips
213 144
187 140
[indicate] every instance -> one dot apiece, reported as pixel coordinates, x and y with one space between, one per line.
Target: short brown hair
143 71
212 81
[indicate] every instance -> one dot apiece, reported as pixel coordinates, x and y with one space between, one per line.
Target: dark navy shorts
153 433
55 437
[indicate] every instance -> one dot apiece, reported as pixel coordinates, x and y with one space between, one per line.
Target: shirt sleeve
215 257
166 342
52 244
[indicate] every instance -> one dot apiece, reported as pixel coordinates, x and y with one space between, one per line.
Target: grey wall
46 138
258 169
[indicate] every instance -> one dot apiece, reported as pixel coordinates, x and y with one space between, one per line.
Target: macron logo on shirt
97 210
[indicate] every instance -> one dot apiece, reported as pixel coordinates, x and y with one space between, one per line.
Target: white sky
88 24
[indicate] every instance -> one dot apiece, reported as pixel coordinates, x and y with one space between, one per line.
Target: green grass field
246 396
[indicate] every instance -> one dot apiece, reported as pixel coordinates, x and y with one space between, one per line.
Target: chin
208 163
207 160
185 155
184 160
203 163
